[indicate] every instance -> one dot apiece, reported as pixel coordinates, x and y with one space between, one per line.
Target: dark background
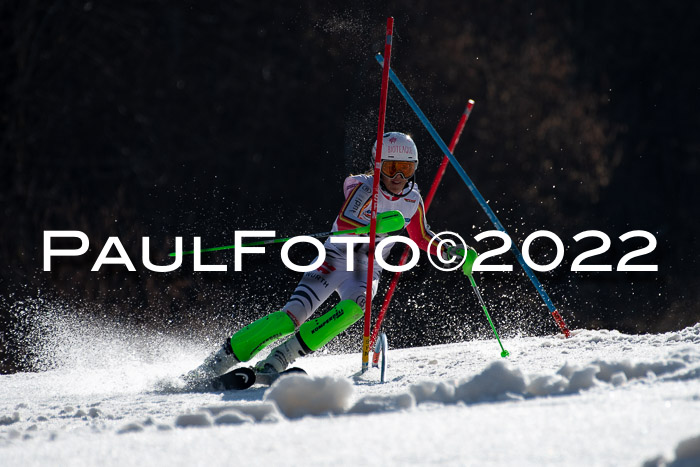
166 119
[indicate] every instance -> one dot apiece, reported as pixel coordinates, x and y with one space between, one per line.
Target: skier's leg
243 345
311 336
355 287
313 289
316 333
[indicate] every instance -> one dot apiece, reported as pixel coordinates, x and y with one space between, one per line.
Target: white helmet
397 147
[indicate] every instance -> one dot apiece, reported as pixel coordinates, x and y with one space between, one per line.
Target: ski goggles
392 168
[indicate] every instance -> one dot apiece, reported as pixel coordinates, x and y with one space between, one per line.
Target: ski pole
428 200
482 202
389 221
375 192
467 269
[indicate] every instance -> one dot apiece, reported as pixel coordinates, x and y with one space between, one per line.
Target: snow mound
297 396
429 391
689 450
130 428
233 417
687 455
258 412
606 370
201 419
581 379
497 382
300 395
9 419
387 403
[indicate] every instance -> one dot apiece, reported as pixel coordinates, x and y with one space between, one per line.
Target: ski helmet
399 155
397 147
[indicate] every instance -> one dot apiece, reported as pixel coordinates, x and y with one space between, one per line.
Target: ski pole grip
454 251
469 262
390 221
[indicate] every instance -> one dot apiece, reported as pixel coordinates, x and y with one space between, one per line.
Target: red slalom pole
375 192
446 160
428 200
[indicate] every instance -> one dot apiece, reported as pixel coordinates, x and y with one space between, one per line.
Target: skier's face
395 185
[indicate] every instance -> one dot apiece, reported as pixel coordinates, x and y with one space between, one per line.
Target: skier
399 162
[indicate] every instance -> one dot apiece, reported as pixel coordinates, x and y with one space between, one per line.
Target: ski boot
217 363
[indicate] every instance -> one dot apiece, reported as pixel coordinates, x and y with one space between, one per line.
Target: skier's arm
419 231
358 196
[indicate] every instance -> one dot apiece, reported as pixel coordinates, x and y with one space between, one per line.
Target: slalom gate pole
428 200
445 160
382 347
375 192
482 202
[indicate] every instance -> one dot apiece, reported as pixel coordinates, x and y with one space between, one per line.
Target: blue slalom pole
487 209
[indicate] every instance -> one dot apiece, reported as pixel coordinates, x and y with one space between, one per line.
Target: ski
238 378
245 377
266 379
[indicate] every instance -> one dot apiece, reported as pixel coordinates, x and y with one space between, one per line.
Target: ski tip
238 378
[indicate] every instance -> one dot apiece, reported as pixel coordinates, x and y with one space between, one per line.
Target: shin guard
256 336
316 333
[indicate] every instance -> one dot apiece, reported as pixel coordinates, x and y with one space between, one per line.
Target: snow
297 396
598 398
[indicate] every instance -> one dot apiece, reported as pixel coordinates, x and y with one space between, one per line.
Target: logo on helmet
392 139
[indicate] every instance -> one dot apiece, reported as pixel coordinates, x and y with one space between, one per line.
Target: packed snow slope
598 398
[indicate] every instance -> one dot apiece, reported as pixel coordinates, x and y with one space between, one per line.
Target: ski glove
462 251
450 253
